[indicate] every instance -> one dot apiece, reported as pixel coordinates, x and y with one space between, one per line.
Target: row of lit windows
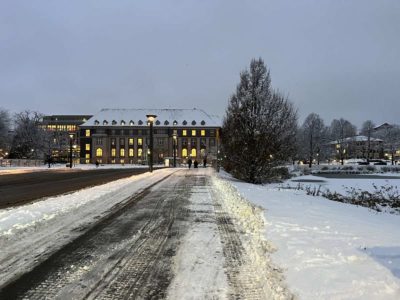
68 128
99 152
160 142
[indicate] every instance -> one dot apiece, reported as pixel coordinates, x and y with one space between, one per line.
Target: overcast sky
337 58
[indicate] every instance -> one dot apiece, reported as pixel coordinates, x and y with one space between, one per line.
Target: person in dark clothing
189 162
195 163
205 162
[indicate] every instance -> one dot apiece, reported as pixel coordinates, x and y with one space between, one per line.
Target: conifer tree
259 128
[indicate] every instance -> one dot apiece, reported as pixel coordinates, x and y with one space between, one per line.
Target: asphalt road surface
18 189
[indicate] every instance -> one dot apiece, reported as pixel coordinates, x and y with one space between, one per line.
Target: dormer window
166 123
140 122
105 122
131 123
158 122
175 122
203 122
193 122
184 122
96 122
122 123
114 122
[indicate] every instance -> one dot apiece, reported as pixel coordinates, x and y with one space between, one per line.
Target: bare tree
367 129
313 132
259 128
29 138
5 126
339 131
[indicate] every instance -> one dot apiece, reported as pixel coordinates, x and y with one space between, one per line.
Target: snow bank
250 221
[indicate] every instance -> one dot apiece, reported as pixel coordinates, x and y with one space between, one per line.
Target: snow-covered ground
330 250
326 249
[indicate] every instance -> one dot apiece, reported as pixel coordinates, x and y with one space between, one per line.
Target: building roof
165 117
357 138
65 119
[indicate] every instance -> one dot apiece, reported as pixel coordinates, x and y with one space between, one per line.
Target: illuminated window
194 152
122 161
87 155
184 152
87 147
87 132
194 132
139 152
113 152
131 141
131 151
99 152
184 132
122 152
140 141
203 132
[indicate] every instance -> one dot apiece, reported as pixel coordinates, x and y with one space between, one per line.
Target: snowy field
330 250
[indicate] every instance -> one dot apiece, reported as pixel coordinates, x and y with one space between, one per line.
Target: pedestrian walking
189 162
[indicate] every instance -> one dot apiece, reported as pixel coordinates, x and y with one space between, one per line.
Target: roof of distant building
165 117
357 138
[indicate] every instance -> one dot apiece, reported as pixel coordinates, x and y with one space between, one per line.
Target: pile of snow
250 221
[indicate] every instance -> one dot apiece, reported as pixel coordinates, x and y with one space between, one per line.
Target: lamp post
71 137
174 135
150 120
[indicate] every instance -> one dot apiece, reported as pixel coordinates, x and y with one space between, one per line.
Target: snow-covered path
188 237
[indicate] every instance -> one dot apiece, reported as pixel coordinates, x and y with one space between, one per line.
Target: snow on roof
165 117
357 138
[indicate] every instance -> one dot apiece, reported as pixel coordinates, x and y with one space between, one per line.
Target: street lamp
71 137
150 120
174 135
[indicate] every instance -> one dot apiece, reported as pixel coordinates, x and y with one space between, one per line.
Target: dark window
158 122
203 122
212 142
113 142
193 142
140 122
122 142
184 142
193 122
166 123
184 122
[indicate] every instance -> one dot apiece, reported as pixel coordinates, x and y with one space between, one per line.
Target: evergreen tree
259 128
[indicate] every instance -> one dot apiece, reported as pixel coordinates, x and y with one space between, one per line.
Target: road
19 189
173 238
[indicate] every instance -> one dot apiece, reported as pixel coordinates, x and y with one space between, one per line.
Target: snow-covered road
172 234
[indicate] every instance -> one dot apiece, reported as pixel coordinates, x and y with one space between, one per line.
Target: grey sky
338 58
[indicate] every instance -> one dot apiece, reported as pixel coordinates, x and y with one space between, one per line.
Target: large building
62 128
121 136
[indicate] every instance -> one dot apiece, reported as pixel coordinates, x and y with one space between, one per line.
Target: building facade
121 136
61 128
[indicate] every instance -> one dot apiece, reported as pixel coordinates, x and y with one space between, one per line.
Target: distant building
61 127
121 136
357 147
